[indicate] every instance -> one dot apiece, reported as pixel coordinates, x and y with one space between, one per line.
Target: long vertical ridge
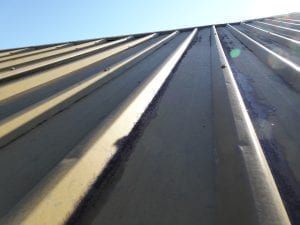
48 204
267 208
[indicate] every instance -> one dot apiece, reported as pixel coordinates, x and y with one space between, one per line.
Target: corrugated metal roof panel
190 126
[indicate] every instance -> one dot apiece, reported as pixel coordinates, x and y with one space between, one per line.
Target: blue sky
32 22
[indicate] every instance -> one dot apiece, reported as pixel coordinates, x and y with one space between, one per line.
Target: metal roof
190 126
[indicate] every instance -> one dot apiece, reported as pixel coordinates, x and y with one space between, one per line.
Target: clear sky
32 22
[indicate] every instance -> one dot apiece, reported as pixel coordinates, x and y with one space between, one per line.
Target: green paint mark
235 53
